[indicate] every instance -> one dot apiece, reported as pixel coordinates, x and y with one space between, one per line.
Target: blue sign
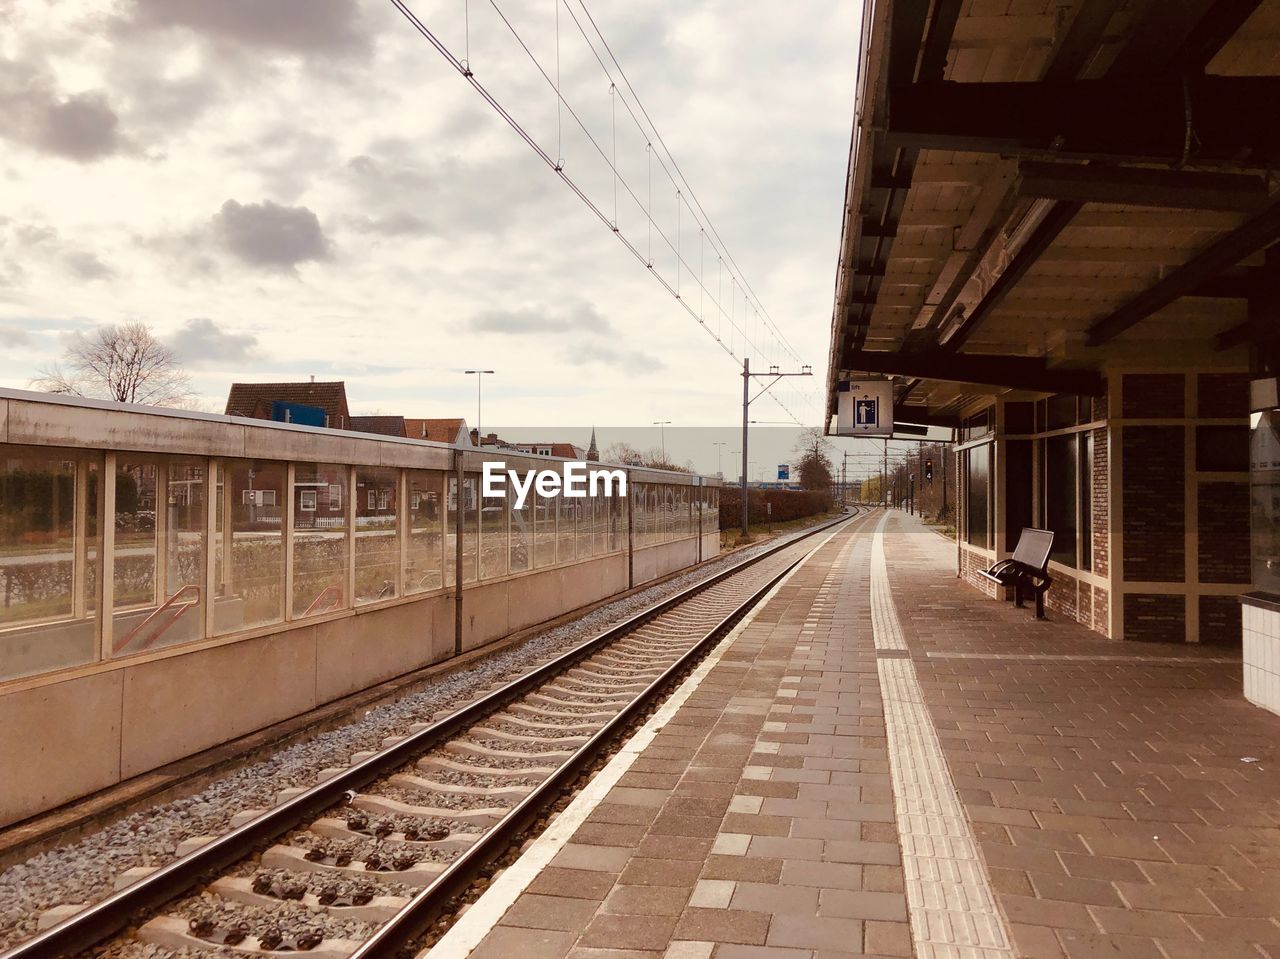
866 412
784 471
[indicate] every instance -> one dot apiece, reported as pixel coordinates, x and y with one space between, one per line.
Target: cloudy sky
284 188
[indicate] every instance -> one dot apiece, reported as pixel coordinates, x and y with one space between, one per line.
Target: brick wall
1223 510
1222 395
1064 597
1101 502
970 564
1220 621
1152 396
1154 508
1155 618
1102 610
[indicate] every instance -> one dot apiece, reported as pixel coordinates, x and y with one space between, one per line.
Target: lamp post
662 437
774 375
719 449
479 375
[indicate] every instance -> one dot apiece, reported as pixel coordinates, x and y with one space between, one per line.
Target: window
321 541
544 450
373 499
307 500
426 533
1059 487
1086 501
978 495
378 536
335 498
248 546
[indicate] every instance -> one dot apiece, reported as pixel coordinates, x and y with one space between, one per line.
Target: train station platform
883 761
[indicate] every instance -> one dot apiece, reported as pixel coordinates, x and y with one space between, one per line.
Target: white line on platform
1083 658
485 913
950 901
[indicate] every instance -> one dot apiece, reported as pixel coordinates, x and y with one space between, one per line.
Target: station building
1060 241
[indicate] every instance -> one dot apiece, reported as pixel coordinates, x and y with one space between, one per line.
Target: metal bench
1027 571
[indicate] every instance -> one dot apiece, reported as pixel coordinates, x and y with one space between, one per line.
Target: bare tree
815 465
126 363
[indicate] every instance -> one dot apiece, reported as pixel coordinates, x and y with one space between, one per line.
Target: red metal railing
166 614
318 605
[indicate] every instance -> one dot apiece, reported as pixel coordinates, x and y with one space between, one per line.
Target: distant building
382 425
292 403
564 450
452 431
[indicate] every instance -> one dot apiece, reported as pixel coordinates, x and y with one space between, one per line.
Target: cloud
581 318
87 266
200 342
624 360
301 26
270 236
394 224
11 336
82 127
27 245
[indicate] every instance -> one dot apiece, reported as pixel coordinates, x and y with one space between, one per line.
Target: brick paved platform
917 770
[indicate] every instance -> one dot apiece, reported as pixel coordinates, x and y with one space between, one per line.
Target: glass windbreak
522 533
585 523
161 524
248 546
320 539
424 569
469 505
48 561
1060 485
544 536
493 536
566 544
377 533
1264 501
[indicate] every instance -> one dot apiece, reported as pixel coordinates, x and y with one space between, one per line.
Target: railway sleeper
377 909
489 732
482 816
428 763
174 933
419 874
549 710
477 749
432 786
339 829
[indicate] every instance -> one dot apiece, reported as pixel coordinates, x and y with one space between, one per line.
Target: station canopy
1039 190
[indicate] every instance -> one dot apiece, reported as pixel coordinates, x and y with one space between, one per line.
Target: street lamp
718 447
479 375
662 437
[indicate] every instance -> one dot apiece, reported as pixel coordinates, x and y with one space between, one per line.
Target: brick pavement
1106 795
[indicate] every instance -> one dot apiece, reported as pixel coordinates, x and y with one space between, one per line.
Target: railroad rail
375 853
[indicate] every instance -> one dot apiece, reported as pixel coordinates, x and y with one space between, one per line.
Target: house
451 431
564 450
381 425
281 401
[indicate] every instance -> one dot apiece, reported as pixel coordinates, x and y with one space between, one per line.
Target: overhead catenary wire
707 229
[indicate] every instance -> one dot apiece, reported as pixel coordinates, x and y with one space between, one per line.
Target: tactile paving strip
950 902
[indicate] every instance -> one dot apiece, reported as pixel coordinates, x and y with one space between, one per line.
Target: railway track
361 864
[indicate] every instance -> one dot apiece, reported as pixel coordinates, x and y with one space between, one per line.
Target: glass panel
470 517
1264 501
134 576
377 533
583 526
977 490
45 549
160 553
617 524
320 539
1061 480
544 543
493 536
521 521
566 551
250 516
1018 490
425 569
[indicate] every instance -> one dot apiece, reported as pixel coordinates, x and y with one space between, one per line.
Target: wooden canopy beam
1257 234
1110 119
1136 186
1011 372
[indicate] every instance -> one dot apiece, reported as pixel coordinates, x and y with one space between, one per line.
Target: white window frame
335 496
306 496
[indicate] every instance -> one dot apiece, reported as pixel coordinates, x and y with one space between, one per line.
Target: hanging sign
864 408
